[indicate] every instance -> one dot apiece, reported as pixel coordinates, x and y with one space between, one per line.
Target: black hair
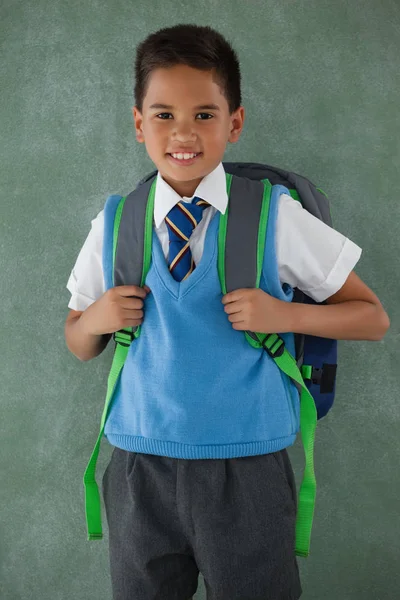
199 47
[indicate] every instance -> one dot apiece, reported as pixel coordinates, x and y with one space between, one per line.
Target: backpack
312 369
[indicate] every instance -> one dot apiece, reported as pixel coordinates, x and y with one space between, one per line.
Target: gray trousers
232 519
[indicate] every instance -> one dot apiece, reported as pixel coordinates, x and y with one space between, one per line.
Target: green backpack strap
275 346
123 338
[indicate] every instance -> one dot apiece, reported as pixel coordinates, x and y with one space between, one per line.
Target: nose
184 131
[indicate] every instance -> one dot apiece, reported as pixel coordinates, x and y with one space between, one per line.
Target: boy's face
185 127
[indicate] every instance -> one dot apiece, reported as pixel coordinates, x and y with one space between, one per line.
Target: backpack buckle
278 342
123 337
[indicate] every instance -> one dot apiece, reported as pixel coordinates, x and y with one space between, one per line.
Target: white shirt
311 256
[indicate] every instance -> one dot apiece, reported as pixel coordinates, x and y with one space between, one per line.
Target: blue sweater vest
192 386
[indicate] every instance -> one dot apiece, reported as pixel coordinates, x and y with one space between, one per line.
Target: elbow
74 353
384 325
69 345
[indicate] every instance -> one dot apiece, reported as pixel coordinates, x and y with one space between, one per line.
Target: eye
208 114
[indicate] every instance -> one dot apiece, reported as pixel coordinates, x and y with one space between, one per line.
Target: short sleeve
86 281
311 255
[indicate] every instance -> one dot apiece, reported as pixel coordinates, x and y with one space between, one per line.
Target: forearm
81 343
352 320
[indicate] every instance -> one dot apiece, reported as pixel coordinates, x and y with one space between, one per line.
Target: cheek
216 135
156 138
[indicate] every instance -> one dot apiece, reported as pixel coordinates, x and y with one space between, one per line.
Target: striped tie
181 220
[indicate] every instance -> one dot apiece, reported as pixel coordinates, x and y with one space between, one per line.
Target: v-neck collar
179 288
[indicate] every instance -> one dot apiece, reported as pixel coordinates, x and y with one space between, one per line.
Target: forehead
182 84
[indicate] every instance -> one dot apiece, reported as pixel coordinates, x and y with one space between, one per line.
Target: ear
138 119
236 126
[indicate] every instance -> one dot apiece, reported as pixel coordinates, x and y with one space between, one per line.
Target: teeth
184 156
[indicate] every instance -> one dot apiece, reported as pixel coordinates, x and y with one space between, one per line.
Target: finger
132 303
235 295
233 307
231 297
235 318
133 314
240 326
132 290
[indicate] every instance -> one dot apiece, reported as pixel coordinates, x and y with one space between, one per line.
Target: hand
118 308
254 310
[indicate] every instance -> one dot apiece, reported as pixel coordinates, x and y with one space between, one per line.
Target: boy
194 483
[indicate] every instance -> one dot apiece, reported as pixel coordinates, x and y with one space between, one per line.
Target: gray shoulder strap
128 264
244 211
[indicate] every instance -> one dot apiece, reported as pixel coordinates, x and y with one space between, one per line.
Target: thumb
146 287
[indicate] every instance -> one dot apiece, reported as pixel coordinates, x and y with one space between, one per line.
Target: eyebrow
201 107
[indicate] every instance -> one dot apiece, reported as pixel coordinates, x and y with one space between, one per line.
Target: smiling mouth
185 161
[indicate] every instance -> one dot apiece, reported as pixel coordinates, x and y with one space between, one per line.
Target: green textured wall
321 91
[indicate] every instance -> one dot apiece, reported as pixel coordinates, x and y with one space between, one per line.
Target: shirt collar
211 188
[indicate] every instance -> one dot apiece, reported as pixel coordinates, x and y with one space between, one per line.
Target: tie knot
199 202
195 207
184 217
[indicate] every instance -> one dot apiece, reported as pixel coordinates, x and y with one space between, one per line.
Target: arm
353 313
82 344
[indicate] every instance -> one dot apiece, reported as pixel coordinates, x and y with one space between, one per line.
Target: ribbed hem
178 450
